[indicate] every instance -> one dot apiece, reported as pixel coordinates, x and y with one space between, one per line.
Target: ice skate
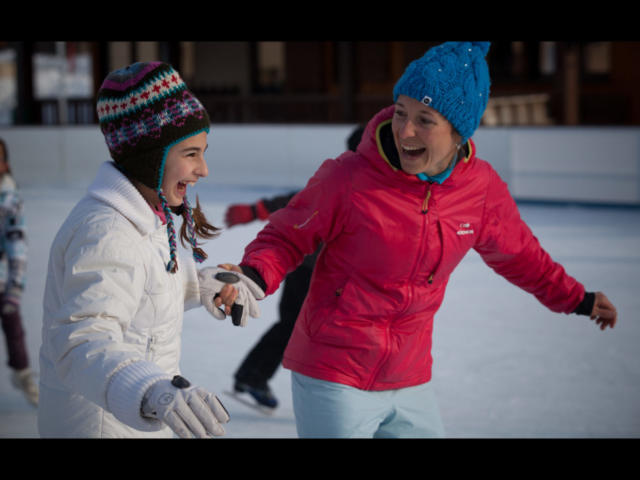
260 398
25 380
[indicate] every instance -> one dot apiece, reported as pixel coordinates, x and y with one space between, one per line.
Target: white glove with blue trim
213 279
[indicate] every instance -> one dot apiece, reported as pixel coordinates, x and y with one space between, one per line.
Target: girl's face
185 164
425 140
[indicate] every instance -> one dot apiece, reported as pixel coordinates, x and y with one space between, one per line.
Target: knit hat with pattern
452 78
143 110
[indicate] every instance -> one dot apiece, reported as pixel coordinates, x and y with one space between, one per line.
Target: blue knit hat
452 78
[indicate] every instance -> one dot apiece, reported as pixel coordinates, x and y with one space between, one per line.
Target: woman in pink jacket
396 217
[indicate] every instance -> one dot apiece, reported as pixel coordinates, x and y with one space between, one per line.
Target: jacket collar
113 188
379 147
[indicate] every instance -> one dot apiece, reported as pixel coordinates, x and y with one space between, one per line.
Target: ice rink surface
504 366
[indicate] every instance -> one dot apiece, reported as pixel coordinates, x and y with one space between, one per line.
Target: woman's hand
225 290
228 295
603 313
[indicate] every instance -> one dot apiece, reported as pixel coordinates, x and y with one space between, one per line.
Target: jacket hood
113 188
376 146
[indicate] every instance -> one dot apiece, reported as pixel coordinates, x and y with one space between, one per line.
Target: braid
172 266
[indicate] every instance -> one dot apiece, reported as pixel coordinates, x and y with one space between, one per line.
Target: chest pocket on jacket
157 283
458 237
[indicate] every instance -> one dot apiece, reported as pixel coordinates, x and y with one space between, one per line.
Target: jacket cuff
585 307
260 210
126 390
253 274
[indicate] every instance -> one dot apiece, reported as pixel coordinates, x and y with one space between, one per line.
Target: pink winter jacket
391 241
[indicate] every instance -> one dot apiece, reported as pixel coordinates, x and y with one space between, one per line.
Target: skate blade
249 402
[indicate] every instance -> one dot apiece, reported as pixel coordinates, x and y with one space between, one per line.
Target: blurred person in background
262 361
13 268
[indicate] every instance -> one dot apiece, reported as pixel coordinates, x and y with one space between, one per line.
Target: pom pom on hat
452 78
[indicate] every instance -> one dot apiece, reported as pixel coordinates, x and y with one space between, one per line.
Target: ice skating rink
504 366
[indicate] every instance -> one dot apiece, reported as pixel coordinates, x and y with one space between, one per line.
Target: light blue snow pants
332 410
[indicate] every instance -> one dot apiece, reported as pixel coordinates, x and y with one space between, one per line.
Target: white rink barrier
567 164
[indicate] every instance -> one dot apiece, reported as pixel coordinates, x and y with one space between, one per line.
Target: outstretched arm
509 247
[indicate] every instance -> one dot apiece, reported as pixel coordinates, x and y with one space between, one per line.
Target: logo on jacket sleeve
303 224
465 229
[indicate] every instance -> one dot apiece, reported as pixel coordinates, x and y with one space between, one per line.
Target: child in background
13 267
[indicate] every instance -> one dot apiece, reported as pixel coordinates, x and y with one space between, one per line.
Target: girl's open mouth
182 187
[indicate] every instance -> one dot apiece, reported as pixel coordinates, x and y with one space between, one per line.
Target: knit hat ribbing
143 110
452 78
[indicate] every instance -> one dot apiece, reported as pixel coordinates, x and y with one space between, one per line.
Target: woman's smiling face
425 140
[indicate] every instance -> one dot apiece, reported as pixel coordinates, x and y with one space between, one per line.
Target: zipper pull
425 204
149 343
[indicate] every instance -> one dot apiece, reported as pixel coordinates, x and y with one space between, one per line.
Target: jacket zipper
425 223
374 375
149 347
425 210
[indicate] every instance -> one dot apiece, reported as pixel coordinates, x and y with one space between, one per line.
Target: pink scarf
160 213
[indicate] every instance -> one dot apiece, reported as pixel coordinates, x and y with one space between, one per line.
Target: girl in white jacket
116 289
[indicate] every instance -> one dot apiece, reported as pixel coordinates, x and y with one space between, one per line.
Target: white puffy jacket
112 315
